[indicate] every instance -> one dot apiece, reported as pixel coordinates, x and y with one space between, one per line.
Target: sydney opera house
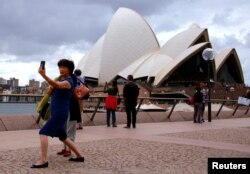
130 46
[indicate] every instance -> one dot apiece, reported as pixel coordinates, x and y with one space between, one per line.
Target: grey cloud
247 39
229 41
143 7
30 26
227 17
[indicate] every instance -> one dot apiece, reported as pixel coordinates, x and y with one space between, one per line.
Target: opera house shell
130 46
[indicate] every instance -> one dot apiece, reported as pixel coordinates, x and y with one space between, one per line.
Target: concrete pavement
165 147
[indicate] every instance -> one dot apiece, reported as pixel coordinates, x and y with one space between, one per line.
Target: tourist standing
111 102
130 96
198 99
56 125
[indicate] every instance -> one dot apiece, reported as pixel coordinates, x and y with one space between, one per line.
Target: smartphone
42 64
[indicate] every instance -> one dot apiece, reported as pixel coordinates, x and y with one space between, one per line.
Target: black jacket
130 93
74 107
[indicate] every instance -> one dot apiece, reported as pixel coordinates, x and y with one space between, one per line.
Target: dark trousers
131 113
195 114
113 117
198 112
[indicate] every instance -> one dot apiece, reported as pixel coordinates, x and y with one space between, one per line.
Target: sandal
67 153
61 152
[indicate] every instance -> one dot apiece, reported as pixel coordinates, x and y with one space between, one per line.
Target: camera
42 64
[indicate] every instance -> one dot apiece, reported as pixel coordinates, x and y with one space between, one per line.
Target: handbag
81 91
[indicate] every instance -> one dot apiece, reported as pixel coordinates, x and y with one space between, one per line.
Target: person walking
111 102
130 96
80 79
61 92
74 117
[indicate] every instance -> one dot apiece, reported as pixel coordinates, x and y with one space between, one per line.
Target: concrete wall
22 122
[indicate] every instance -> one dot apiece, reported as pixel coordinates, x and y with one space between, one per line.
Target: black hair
67 63
78 72
198 88
130 77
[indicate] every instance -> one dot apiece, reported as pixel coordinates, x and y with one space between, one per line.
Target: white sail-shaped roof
128 38
132 68
130 47
221 58
90 63
171 66
152 66
184 40
146 66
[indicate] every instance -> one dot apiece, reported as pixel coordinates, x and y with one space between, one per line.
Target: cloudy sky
34 30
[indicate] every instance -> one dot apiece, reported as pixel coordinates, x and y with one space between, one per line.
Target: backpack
81 90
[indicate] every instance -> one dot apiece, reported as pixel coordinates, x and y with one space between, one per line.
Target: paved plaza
151 148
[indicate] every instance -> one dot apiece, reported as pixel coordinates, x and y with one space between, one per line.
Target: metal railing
173 102
98 101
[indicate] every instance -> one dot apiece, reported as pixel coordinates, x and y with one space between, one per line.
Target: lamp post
208 55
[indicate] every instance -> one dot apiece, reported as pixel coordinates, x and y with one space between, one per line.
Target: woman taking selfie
61 92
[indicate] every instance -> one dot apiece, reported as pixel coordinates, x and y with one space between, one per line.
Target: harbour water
18 108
